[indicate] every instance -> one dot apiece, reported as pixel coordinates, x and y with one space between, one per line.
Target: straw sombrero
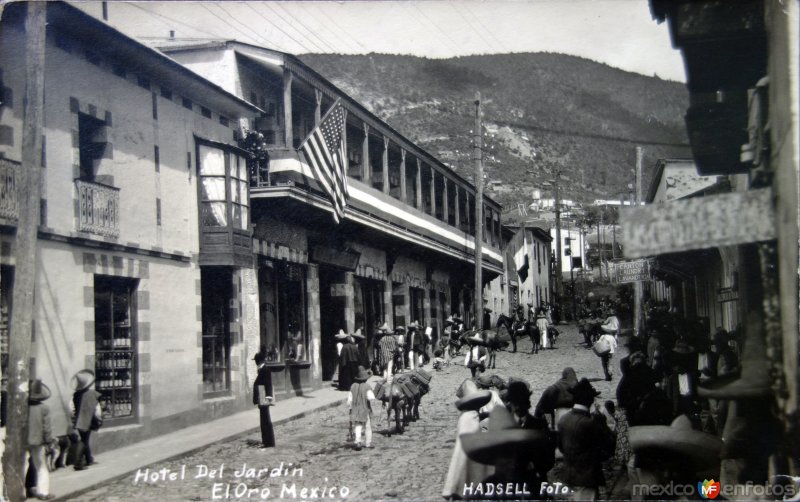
413 325
400 329
341 335
503 439
357 335
472 398
475 339
82 379
384 329
698 448
37 391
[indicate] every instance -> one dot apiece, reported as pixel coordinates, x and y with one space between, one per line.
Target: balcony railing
9 204
99 208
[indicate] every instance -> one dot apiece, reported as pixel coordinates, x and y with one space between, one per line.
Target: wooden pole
637 286
557 203
29 196
478 148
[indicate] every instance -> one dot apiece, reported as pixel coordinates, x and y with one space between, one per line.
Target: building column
418 202
385 164
403 187
313 324
349 302
318 107
250 325
457 208
365 170
287 107
445 201
433 192
387 302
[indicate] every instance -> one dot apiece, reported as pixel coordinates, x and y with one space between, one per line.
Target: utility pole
559 283
29 197
478 149
637 286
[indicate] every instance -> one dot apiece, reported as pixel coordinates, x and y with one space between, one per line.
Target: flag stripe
325 151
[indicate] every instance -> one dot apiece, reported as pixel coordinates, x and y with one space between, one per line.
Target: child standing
359 401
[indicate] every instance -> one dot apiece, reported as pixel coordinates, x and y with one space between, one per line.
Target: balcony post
349 302
287 107
445 200
419 186
403 187
313 316
457 208
433 192
385 161
365 170
318 107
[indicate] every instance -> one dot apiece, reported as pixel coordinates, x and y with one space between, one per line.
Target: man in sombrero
40 434
86 415
585 440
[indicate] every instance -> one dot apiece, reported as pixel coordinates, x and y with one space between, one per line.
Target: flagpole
478 147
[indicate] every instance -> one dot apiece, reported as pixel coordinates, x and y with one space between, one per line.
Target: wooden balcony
98 208
9 204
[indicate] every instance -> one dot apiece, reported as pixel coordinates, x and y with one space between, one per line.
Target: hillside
542 113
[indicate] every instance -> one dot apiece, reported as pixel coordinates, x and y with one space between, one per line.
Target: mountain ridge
546 116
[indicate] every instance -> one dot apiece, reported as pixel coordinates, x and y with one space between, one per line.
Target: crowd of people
660 428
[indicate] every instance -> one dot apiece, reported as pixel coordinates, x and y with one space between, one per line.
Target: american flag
324 151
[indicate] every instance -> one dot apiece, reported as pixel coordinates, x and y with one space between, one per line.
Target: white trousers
37 453
367 432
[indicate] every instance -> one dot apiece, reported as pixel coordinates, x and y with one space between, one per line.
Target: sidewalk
115 464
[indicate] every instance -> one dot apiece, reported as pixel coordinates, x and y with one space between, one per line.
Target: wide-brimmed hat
384 328
400 329
83 379
504 439
341 335
357 335
472 398
474 338
583 391
413 325
449 321
362 375
698 448
37 391
261 354
518 391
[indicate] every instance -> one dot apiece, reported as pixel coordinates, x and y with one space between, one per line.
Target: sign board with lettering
631 271
727 294
698 223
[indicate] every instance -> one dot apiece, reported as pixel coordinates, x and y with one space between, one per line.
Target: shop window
223 188
115 345
282 312
216 285
6 283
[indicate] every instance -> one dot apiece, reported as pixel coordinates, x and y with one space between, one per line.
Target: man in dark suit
263 398
585 440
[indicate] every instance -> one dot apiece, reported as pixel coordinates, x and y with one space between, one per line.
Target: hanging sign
698 223
631 271
727 294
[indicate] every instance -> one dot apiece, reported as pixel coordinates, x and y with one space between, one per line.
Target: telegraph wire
285 23
487 30
298 20
237 30
431 23
257 37
332 20
172 20
285 33
472 27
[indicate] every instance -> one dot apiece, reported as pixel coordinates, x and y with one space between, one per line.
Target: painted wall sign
700 223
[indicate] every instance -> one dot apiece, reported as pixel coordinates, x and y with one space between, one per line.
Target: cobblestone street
313 453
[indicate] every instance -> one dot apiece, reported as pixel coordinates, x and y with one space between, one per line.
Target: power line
287 34
265 42
332 20
487 30
431 23
172 20
237 30
298 21
472 27
282 20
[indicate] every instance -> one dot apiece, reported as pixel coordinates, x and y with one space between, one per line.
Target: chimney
171 33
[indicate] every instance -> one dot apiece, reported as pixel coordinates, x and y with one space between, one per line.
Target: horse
493 344
514 325
394 398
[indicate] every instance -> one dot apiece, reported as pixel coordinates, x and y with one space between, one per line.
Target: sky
621 33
